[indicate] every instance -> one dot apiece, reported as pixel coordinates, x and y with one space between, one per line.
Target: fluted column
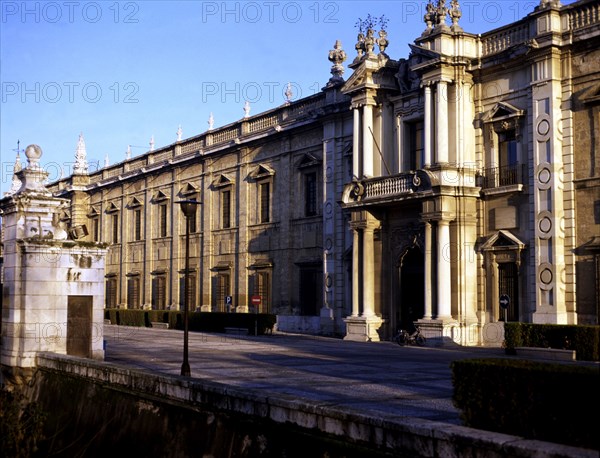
427 127
442 122
355 272
367 138
428 265
368 272
356 144
444 286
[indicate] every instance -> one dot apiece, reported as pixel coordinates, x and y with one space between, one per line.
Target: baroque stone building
458 187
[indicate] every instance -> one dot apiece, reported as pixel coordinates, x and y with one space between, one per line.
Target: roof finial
288 94
81 164
211 121
337 56
152 143
106 161
246 109
128 152
179 133
16 183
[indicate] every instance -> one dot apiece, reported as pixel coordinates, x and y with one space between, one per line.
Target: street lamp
189 208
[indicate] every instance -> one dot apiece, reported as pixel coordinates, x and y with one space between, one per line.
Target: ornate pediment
221 181
134 202
308 160
160 196
502 240
501 111
262 171
188 190
112 208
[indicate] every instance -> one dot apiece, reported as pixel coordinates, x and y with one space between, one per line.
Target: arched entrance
411 302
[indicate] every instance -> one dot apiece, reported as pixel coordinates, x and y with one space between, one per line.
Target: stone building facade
457 187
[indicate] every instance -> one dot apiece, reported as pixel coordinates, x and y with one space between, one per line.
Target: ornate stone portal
53 290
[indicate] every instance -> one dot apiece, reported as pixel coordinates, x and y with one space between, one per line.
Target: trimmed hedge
261 323
584 339
545 401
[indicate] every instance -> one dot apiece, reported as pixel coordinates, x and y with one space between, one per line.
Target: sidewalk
374 378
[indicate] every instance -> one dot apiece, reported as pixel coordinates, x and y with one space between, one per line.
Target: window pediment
134 203
308 160
502 111
160 196
502 240
262 171
188 190
94 212
221 181
112 208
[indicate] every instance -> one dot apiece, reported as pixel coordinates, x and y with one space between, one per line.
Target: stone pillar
442 123
367 138
427 127
428 265
355 272
356 143
444 285
368 273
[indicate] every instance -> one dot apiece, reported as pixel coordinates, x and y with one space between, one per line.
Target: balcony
381 190
497 180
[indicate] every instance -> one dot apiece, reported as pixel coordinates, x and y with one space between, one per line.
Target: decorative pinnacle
81 164
337 56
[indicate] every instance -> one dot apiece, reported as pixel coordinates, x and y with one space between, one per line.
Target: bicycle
403 337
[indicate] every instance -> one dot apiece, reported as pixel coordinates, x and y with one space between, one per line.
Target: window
111 293
115 228
226 209
311 290
133 292
262 288
223 285
191 291
162 220
159 292
508 170
96 229
310 194
137 224
415 145
264 202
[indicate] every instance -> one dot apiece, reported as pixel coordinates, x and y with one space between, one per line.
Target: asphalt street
371 377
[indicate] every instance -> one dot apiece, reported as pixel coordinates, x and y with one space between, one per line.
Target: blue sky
121 72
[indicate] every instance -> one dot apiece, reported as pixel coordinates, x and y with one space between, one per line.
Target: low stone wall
117 403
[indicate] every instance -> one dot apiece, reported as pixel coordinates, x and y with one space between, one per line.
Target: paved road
374 377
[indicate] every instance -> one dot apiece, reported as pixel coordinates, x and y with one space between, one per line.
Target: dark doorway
311 290
79 326
412 284
508 283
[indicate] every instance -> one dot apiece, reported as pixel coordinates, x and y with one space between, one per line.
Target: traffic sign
255 300
504 301
228 300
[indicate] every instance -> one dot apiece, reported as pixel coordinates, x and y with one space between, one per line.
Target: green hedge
545 401
584 339
198 321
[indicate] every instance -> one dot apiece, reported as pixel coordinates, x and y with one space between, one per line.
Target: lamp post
188 207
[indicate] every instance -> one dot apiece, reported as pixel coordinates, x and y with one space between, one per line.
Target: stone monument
53 285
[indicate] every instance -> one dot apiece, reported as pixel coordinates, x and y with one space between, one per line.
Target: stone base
363 328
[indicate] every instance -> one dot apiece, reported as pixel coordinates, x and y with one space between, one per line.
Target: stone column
444 286
368 273
442 123
356 143
427 127
367 124
428 266
355 272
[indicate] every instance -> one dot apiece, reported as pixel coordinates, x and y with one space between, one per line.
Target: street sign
228 300
255 300
504 301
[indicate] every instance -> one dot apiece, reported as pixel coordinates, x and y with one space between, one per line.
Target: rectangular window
162 220
265 198
115 228
95 229
137 224
223 280
191 292
508 173
133 292
226 208
310 194
111 293
193 220
159 292
415 145
311 290
262 288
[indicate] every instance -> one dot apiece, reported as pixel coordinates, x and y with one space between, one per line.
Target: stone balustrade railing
584 16
503 39
389 186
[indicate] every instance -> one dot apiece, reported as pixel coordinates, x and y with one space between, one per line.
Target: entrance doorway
508 283
412 284
79 326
